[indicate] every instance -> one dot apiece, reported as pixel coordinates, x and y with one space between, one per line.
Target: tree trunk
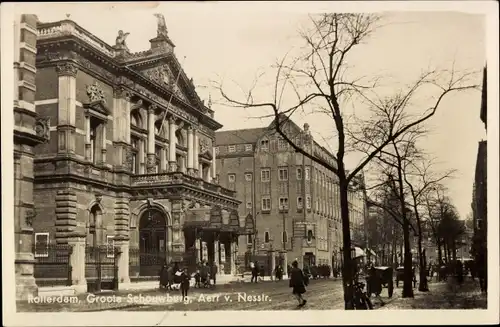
408 271
348 269
440 254
445 250
422 285
454 251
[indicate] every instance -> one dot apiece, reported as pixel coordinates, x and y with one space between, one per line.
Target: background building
295 201
124 169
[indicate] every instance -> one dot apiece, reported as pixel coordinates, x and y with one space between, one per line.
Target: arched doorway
152 242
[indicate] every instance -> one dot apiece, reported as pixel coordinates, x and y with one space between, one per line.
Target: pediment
98 106
167 76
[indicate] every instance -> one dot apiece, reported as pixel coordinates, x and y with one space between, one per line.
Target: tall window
217 150
282 144
93 143
266 204
41 245
265 175
158 159
249 239
309 236
110 246
300 203
283 174
283 203
231 178
135 155
264 145
266 237
299 173
94 220
249 204
285 237
308 202
307 173
248 177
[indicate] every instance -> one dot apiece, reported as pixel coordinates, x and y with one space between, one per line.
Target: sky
237 46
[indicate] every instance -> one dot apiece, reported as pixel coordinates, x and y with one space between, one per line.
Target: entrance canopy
357 252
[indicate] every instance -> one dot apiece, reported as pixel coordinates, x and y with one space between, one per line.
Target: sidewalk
442 295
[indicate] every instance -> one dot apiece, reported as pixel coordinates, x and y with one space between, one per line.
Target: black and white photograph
223 163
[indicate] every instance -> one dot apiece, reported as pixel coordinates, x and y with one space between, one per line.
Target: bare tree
320 79
420 179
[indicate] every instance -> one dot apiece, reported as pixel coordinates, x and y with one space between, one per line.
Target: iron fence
101 267
145 262
52 266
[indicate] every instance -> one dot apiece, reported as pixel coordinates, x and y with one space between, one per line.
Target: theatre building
126 178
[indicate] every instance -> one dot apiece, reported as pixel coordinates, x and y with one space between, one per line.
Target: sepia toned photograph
198 158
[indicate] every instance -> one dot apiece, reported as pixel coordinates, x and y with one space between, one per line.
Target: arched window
136 119
285 237
249 239
179 137
266 237
309 235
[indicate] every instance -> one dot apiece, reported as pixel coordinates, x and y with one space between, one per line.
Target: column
197 245
163 160
216 254
66 124
233 258
151 163
204 251
142 155
123 262
285 264
172 162
104 145
196 150
213 167
77 260
121 128
190 158
273 262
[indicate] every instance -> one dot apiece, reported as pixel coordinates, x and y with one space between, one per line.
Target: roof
239 136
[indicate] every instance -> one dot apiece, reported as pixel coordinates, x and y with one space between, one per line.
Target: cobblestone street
321 295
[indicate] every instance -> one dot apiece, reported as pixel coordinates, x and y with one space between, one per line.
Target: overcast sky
235 44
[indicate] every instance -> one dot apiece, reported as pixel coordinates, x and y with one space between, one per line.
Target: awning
357 252
371 252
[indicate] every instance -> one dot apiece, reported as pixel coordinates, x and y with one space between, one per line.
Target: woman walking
298 282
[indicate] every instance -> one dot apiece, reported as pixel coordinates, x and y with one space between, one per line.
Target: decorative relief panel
42 128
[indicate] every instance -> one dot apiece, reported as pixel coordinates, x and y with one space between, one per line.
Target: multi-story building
294 201
29 131
479 198
129 165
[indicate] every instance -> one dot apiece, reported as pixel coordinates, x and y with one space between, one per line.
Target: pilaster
151 156
172 160
123 261
65 215
233 257
178 242
190 154
66 128
216 252
196 152
285 263
121 128
77 261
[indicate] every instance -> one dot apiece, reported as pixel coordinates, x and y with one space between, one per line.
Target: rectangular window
231 178
248 177
299 173
283 203
217 150
264 145
300 203
41 245
231 148
282 144
308 202
248 147
266 204
110 246
249 204
249 239
265 175
307 173
283 174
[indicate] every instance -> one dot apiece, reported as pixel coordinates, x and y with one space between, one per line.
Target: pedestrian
170 276
460 272
375 284
214 272
298 283
185 279
255 272
163 276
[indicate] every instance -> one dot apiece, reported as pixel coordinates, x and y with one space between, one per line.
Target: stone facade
29 131
128 136
292 198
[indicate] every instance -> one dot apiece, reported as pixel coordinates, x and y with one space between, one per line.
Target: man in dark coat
213 272
255 272
298 282
185 278
170 276
164 276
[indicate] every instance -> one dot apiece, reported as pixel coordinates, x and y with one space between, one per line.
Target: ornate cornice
66 69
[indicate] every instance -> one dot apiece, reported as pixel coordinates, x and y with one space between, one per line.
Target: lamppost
255 233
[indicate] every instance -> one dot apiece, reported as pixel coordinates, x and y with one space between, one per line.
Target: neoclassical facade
131 160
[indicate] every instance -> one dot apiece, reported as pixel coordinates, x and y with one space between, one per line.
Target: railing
177 178
52 264
67 27
145 263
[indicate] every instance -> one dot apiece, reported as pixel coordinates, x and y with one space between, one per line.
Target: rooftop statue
121 39
162 26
